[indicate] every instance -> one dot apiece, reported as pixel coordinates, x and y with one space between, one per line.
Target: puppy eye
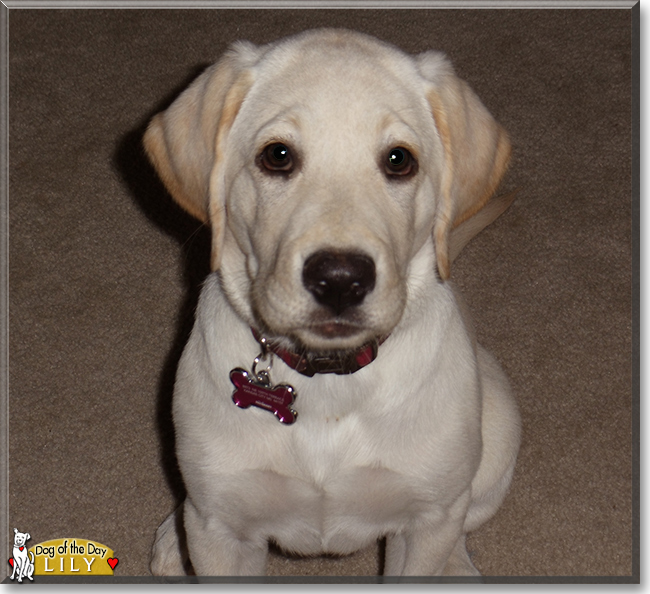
277 157
400 162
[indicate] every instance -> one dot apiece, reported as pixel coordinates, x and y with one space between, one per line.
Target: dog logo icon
21 562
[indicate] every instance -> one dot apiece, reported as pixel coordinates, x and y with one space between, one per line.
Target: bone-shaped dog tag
257 392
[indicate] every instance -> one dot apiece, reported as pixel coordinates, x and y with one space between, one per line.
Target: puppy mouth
320 334
324 343
335 329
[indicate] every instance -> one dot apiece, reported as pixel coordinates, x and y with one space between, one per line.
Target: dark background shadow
194 237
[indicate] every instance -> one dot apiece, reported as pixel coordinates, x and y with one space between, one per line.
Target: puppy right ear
185 143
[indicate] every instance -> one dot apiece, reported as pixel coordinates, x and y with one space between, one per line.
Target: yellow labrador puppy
331 392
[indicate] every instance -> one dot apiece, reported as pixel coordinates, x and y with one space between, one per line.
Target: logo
63 556
20 560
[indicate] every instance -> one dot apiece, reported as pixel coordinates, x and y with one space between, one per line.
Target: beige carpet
104 273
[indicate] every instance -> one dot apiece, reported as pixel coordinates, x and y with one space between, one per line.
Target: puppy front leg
216 551
421 552
425 548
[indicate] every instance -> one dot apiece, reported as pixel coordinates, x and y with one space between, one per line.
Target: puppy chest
349 510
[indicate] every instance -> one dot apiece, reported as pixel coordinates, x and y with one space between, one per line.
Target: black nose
339 279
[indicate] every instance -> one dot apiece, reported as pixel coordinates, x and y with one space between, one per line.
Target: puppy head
323 164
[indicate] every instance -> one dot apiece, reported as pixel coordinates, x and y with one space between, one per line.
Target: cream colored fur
420 445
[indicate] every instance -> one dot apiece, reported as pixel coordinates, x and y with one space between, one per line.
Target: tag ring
263 375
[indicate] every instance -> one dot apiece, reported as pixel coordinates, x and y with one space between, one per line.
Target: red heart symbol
11 562
112 562
21 548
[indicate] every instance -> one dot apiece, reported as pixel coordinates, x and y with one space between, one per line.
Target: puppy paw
168 555
459 562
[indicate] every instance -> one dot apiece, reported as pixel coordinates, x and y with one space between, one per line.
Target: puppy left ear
476 151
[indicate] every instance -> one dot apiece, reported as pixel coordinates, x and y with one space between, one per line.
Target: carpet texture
105 272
